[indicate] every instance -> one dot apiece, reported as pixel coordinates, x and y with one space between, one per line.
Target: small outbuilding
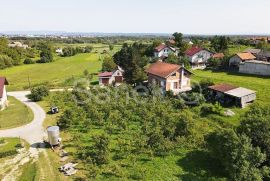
111 78
239 58
232 95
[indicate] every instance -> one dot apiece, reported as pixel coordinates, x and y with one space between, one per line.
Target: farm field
55 74
15 115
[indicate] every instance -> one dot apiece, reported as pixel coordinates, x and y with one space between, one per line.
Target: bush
212 109
5 62
46 56
240 159
38 93
88 49
28 61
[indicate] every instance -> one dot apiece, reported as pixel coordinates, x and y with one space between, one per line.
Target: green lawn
55 74
259 84
9 147
234 49
15 115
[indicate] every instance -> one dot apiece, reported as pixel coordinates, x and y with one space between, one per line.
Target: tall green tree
236 154
220 43
108 64
256 125
132 60
178 38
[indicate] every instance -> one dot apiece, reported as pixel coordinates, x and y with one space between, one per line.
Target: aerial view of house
163 51
198 57
169 77
109 78
239 58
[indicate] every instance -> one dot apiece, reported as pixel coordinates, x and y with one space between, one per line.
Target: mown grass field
15 115
55 74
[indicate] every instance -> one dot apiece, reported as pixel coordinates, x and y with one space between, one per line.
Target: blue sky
137 16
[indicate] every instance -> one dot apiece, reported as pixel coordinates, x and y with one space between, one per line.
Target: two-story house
169 77
198 57
163 51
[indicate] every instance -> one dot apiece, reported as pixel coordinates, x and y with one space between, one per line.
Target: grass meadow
15 115
55 74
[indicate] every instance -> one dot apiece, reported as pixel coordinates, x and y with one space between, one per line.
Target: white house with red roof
3 93
198 57
163 51
111 78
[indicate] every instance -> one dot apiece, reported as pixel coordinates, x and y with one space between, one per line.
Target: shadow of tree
199 166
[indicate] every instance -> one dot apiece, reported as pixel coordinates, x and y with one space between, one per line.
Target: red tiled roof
162 69
105 74
192 51
218 55
3 82
160 47
222 87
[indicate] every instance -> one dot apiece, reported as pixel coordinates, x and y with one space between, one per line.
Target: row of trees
71 51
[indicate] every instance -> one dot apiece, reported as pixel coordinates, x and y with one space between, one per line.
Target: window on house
175 85
174 74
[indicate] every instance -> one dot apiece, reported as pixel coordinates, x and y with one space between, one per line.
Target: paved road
33 132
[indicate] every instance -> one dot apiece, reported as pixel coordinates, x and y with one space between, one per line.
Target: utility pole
29 83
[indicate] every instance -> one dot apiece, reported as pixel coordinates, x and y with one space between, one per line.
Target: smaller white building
3 93
111 78
198 57
163 51
255 67
59 51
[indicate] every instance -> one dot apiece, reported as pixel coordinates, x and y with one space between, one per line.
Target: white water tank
53 135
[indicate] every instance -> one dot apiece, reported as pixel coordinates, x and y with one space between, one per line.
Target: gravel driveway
33 132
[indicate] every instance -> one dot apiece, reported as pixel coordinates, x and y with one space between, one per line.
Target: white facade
3 99
255 67
111 79
199 60
165 52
